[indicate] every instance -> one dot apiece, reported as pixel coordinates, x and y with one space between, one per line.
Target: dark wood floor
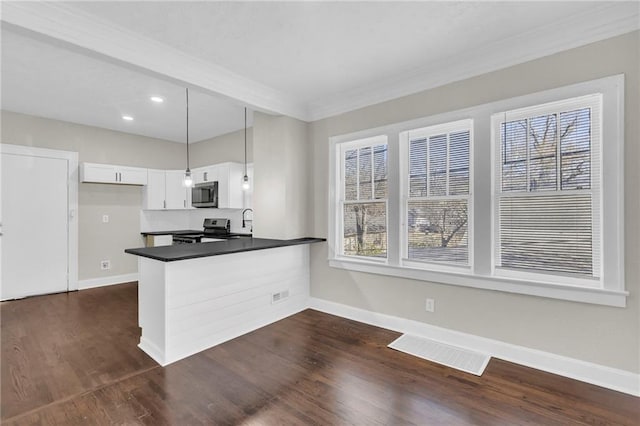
72 359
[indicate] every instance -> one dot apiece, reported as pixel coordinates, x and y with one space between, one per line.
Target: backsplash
197 216
171 220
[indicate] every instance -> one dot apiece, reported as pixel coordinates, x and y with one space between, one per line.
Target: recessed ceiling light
157 99
127 118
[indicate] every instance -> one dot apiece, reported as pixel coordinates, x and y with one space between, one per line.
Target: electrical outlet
430 306
105 218
105 264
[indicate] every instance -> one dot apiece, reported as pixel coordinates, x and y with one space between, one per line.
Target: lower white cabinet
165 191
108 173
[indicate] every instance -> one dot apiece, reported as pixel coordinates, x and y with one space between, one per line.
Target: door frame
72 198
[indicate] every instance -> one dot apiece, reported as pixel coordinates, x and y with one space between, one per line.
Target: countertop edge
144 252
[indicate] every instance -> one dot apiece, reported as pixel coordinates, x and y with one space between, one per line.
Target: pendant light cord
245 141
187 90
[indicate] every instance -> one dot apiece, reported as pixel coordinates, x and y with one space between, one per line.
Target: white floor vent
451 356
278 297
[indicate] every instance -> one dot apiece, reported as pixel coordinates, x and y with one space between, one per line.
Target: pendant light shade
245 179
188 179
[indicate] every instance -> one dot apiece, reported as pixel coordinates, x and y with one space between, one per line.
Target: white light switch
105 218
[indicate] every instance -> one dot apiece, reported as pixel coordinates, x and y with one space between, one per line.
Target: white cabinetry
230 194
177 195
107 173
154 193
205 174
229 178
165 191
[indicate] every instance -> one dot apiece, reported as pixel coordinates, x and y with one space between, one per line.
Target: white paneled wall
191 305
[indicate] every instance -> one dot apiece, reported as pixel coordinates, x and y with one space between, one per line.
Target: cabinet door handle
164 204
184 203
116 176
205 176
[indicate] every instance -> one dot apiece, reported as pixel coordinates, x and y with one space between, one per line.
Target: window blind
438 196
547 209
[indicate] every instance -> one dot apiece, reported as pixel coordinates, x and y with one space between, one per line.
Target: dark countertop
216 248
178 232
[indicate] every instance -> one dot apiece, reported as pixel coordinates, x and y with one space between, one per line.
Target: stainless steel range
214 230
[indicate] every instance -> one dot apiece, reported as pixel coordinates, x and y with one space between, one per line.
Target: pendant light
245 178
188 180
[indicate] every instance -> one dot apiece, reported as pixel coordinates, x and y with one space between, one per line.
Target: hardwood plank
72 359
60 345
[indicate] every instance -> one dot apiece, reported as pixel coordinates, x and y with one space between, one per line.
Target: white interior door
35 225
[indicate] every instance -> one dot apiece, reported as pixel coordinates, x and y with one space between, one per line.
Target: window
437 203
364 198
547 190
523 195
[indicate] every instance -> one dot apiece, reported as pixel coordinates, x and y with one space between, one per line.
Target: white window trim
612 292
405 138
593 101
355 145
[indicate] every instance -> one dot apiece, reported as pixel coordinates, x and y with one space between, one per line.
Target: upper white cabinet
230 193
165 191
154 193
205 174
229 178
107 173
177 195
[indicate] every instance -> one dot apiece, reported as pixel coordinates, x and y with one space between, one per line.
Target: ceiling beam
63 23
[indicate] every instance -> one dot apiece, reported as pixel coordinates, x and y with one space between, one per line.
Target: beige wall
281 177
229 147
99 241
603 335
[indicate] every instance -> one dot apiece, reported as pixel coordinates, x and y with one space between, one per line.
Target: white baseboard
152 350
104 281
607 377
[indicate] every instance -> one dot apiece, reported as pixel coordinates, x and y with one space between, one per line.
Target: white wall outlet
105 264
105 218
430 306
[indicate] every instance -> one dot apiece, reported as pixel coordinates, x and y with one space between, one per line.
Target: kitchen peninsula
195 296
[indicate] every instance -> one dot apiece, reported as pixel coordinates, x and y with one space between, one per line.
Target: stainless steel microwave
205 194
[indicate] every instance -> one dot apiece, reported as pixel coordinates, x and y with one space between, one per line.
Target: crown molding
599 23
64 23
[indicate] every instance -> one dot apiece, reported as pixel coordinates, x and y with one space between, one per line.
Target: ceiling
92 62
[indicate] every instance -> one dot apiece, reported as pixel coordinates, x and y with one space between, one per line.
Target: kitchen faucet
244 221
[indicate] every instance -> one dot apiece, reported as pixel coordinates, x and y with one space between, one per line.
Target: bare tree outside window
365 204
437 208
548 154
